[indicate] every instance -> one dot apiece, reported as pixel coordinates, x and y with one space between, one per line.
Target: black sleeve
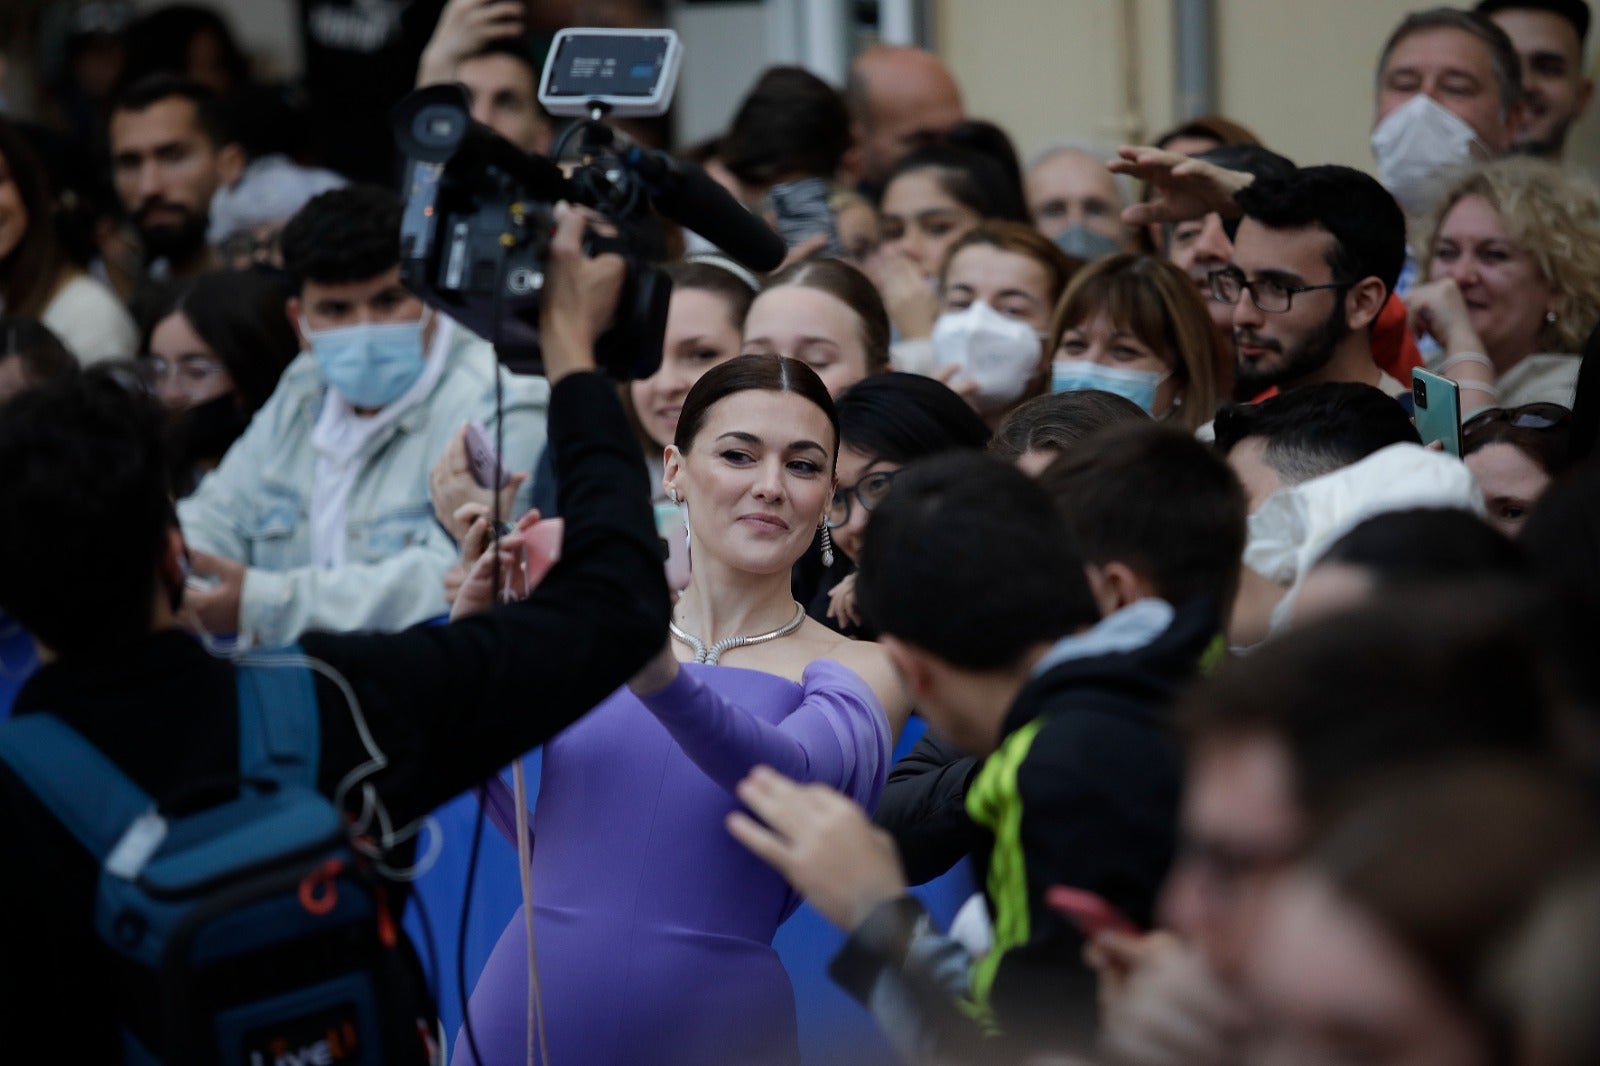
924 807
448 705
1098 798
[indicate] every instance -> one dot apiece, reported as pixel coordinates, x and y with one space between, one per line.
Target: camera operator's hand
465 26
580 297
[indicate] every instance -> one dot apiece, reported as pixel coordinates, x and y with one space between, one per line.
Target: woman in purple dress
652 926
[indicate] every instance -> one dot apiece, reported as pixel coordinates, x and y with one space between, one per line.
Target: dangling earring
1550 317
677 501
827 545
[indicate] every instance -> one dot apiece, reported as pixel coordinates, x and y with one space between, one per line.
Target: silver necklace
709 656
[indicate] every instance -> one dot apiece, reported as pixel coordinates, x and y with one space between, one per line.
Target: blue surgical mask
1084 243
370 364
1069 375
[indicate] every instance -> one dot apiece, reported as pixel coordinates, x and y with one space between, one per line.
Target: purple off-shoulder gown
653 926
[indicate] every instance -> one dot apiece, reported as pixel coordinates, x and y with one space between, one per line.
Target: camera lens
437 127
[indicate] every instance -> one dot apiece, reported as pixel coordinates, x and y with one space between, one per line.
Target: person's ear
1115 585
672 472
292 309
231 162
1364 302
1581 98
914 666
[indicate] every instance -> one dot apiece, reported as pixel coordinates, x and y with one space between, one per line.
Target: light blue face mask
1068 375
1084 243
370 364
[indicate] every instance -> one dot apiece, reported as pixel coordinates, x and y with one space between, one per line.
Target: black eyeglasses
870 491
1528 416
1273 297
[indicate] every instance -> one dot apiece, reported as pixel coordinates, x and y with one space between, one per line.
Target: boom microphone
686 194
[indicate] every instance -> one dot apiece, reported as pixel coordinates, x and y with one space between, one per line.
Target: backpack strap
73 779
279 734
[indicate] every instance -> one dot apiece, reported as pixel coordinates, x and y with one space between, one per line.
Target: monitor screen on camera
631 72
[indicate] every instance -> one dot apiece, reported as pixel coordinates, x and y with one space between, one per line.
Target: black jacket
449 705
1083 791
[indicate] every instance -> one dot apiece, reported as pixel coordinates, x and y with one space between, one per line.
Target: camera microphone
686 194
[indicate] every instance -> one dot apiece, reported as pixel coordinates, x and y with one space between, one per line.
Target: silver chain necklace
710 655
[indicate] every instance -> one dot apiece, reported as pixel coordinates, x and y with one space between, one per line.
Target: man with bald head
900 99
1076 202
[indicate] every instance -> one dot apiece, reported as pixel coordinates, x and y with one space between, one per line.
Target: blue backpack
244 929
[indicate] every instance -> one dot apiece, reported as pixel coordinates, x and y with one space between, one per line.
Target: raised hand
821 842
464 27
1185 188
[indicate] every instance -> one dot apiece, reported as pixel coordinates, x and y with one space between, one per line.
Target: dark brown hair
1056 422
847 284
1156 302
1550 447
717 280
791 124
44 358
1023 240
35 269
764 373
239 315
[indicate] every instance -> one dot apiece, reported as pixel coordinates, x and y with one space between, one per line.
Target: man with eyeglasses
1270 747
1315 259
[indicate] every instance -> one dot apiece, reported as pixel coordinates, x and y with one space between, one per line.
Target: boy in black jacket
1076 775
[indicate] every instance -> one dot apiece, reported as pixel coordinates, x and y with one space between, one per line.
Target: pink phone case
1089 912
544 549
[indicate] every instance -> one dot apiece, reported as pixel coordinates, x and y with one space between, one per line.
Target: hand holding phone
1436 401
1090 913
801 211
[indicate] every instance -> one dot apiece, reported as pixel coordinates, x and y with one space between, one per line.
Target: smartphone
1089 912
801 210
671 527
482 460
1437 403
544 549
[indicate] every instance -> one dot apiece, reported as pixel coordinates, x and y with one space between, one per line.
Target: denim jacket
255 507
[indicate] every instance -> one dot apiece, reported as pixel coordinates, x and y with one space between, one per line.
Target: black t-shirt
361 57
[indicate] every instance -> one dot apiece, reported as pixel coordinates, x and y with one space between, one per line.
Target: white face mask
1415 145
1001 354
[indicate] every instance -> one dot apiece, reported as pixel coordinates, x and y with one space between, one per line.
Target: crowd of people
1063 517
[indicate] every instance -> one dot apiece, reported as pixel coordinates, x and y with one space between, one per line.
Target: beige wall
1298 72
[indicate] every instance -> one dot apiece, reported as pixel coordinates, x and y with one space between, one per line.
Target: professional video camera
479 213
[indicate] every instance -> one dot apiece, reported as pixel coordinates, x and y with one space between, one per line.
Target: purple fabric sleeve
837 736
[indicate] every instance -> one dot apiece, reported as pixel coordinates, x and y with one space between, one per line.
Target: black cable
494 546
435 987
461 935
